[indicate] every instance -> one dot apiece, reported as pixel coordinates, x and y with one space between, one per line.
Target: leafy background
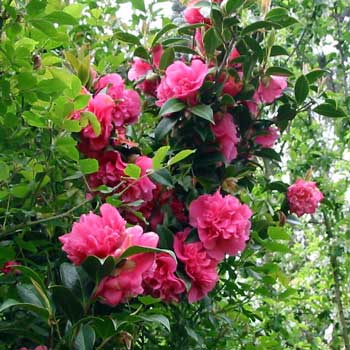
291 293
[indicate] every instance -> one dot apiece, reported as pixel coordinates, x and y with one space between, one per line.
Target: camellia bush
138 175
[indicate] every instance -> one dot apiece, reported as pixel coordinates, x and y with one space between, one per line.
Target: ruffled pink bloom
126 281
193 14
102 106
98 235
225 132
113 83
8 267
223 223
139 68
271 89
128 110
268 139
181 81
41 347
161 282
199 266
304 197
232 87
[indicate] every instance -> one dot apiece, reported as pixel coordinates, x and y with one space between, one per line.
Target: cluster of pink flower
223 228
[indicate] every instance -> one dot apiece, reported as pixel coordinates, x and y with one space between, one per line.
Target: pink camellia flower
225 132
126 280
128 110
268 139
102 106
270 88
139 68
113 83
95 235
252 106
193 14
199 266
232 87
161 282
181 81
41 347
304 197
222 222
8 267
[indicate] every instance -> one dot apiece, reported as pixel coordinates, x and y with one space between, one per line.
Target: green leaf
163 177
4 171
203 111
278 71
277 12
88 166
268 153
329 110
81 101
171 106
301 89
127 38
167 58
68 302
278 233
138 5
156 318
181 156
139 250
211 41
74 10
276 247
164 30
33 119
133 171
72 125
277 50
148 300
95 124
42 312
315 74
232 5
85 339
257 26
61 17
98 268
67 147
46 27
159 156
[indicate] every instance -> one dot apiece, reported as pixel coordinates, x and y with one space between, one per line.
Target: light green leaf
159 156
133 171
181 156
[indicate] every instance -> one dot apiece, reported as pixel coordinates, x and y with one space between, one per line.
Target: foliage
283 289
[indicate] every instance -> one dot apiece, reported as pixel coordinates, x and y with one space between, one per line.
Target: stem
336 278
31 223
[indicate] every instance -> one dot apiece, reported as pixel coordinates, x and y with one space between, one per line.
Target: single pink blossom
139 68
128 110
113 83
225 132
223 223
8 267
102 106
270 89
268 139
304 197
199 265
161 282
193 14
181 81
99 235
41 347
